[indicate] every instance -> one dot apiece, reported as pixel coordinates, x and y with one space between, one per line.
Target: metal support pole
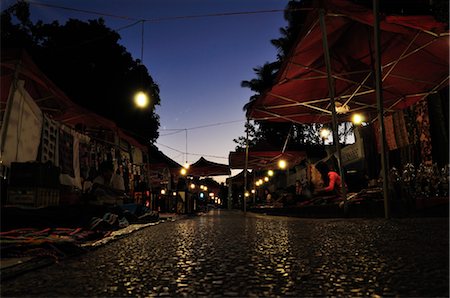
246 165
185 130
254 188
378 88
326 54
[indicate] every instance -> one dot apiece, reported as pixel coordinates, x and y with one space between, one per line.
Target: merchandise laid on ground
35 237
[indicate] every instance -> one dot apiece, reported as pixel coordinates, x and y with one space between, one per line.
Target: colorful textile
423 127
390 134
401 133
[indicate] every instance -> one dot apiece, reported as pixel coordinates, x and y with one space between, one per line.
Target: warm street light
253 191
357 119
163 191
282 164
266 179
270 173
141 100
192 186
183 171
324 133
174 193
247 194
186 165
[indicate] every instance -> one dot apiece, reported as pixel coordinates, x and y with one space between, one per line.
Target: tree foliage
85 60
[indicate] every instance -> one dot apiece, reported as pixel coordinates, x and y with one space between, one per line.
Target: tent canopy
239 178
262 160
50 99
414 58
203 167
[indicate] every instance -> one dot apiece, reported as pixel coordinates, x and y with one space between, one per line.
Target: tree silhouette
85 60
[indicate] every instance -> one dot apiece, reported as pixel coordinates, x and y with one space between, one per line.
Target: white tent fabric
23 129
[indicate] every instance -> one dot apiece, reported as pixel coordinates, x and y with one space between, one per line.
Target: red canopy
46 94
52 100
203 167
260 160
415 63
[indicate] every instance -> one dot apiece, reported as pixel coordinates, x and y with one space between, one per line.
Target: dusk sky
198 63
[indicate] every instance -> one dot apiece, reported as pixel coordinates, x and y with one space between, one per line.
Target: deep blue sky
197 63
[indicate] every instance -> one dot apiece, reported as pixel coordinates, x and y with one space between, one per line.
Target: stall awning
415 63
205 168
50 99
260 160
239 178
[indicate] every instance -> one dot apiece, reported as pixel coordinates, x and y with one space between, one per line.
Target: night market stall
49 148
349 58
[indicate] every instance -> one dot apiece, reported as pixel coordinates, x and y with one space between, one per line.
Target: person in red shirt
331 179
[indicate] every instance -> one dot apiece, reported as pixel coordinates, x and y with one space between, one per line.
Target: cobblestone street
225 253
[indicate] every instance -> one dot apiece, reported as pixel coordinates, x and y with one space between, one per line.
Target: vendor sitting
331 179
108 186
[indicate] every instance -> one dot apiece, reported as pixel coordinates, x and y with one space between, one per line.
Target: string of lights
178 130
155 20
195 154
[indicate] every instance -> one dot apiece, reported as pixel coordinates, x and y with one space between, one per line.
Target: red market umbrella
414 61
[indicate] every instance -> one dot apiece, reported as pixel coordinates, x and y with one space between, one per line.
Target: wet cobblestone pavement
226 254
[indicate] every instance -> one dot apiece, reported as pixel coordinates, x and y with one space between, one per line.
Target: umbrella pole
326 54
378 87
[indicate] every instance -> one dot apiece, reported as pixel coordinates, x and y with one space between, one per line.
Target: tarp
22 130
415 63
204 168
261 160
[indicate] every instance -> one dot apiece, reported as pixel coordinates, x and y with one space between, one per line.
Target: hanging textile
137 156
390 134
49 141
423 129
23 129
66 151
401 133
69 155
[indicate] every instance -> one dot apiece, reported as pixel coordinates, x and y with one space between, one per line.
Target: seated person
332 181
107 184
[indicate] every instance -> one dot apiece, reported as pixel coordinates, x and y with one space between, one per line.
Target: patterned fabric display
401 134
66 153
390 134
49 141
423 127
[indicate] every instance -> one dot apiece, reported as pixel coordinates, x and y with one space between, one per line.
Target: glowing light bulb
357 119
141 100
